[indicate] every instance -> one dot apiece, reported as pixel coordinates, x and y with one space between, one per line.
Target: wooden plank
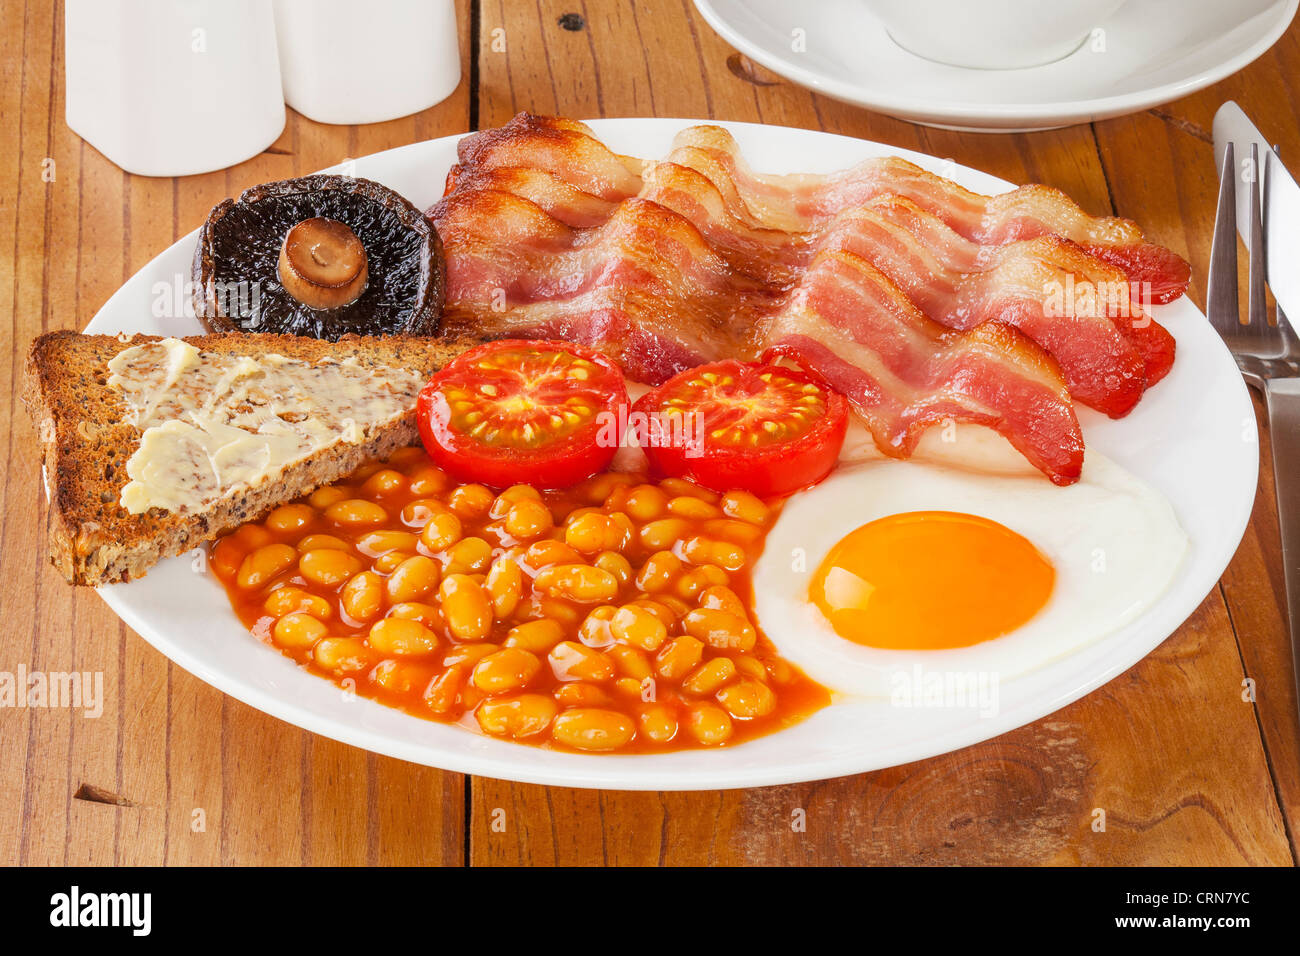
1138 749
205 779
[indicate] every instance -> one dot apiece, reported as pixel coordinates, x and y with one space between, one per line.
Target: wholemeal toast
86 438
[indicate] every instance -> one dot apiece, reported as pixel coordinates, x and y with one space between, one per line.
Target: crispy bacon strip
798 202
903 373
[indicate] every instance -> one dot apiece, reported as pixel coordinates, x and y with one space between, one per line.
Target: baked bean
226 556
737 532
708 723
404 637
615 564
384 482
407 456
505 585
780 671
658 722
594 631
679 657
664 533
688 506
505 670
582 583
691 584
468 654
390 562
658 608
701 550
356 512
465 607
659 572
721 598
570 660
286 600
537 636
745 506
443 692
680 486
362 472
470 502
416 514
632 661
413 578
375 543
264 564
503 502
578 694
528 519
747 698
597 489
426 614
363 596
315 542
592 728
327 566
646 503
468 555
290 519
442 531
322 498
342 654
593 531
720 629
543 554
750 667
429 480
401 677
709 677
638 627
675 605
523 715
298 629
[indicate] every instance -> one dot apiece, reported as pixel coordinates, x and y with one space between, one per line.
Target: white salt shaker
170 89
345 61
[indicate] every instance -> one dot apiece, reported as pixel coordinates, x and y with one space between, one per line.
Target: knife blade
1282 236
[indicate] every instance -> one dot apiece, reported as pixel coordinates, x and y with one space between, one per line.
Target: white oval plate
1192 437
1151 52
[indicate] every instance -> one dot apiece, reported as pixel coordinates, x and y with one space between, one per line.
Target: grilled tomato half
546 413
764 428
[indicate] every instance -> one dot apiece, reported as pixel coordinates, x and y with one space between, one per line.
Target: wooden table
1187 768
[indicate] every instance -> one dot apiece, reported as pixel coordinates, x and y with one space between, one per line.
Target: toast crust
86 443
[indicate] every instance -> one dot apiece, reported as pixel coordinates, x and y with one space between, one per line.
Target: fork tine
1257 313
1221 295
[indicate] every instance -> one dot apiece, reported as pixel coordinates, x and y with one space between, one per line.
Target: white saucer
1149 52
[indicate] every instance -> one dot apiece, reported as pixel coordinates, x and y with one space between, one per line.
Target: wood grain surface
1186 767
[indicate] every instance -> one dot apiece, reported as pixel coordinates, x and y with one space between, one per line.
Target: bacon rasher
920 305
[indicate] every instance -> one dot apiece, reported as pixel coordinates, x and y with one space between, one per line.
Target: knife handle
1284 430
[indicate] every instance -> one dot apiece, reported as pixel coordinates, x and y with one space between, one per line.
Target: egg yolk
930 580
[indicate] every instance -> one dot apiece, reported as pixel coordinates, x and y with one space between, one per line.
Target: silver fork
1269 359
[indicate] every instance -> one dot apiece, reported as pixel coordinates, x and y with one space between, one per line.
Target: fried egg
962 560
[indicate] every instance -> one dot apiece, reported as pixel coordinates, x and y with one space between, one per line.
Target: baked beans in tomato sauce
611 616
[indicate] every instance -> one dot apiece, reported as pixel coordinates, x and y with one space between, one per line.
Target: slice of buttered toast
150 446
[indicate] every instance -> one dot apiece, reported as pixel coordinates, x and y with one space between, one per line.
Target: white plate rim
993 116
683 770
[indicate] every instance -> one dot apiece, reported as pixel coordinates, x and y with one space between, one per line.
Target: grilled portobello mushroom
321 256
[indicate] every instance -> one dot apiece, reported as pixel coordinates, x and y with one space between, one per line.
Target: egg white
1114 542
